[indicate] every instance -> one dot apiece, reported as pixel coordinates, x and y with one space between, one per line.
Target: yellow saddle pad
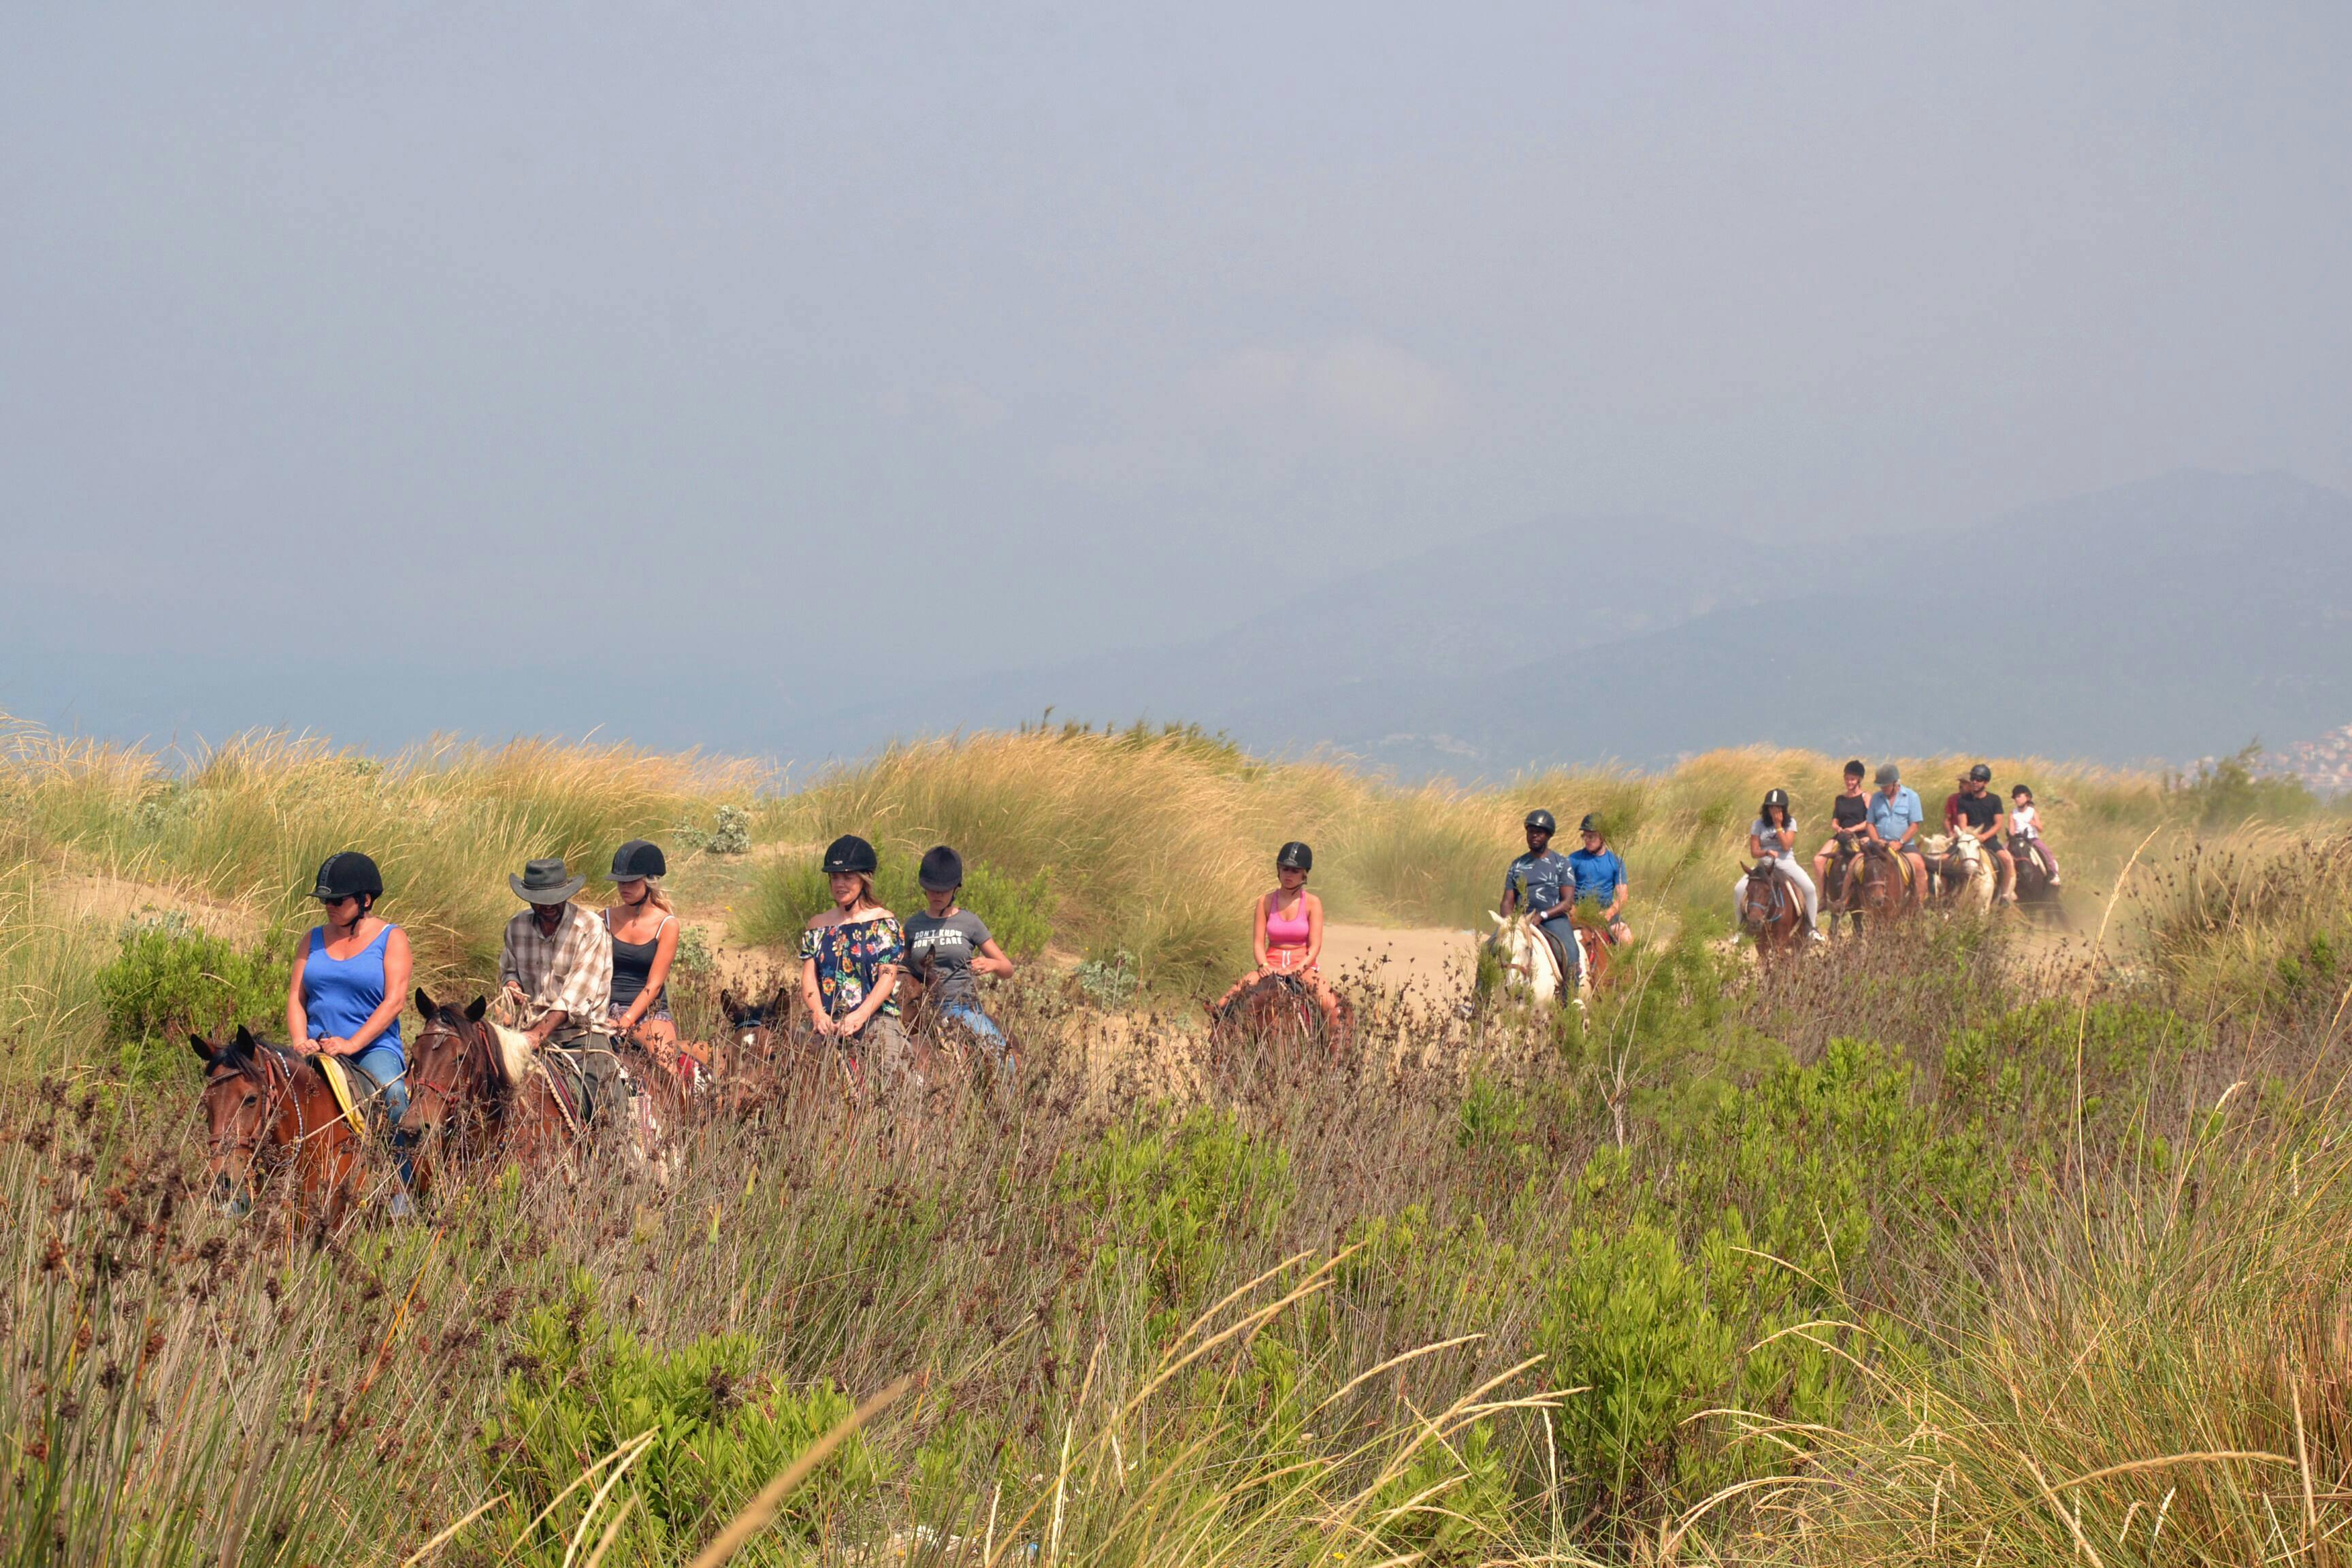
339 1083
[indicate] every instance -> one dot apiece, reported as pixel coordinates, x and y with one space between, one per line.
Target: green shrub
1019 915
170 977
720 1432
1451 1506
1176 1198
1109 979
1628 1321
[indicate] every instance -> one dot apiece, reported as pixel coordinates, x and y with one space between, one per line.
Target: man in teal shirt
1894 818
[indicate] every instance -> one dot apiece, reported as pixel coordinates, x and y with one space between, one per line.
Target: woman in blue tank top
351 976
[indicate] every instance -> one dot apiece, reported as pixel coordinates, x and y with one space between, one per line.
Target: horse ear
424 1008
476 1008
245 1040
203 1048
730 1006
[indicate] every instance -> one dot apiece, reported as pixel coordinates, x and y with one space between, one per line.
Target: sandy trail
1435 962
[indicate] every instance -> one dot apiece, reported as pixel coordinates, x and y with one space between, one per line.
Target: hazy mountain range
2168 619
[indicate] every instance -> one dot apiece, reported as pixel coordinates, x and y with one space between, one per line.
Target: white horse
1529 960
1963 872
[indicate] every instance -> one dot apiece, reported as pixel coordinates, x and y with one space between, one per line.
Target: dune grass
249 823
1940 1249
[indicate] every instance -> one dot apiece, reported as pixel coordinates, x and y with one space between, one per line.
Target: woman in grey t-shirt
949 948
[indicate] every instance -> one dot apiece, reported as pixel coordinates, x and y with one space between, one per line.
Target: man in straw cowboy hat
556 973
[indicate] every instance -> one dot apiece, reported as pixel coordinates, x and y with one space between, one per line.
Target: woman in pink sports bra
1288 935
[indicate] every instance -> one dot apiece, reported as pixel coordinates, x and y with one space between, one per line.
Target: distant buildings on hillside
2324 765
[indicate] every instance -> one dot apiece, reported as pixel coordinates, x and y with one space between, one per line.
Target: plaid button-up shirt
571 971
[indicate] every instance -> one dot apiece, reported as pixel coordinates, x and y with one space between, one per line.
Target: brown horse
1884 890
1273 1021
462 1106
2035 896
269 1111
1841 885
1771 911
755 1032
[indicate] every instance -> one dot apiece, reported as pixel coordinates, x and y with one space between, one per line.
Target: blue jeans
381 1065
981 1027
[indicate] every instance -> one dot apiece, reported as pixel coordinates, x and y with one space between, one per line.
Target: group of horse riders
574 981
1888 822
1550 887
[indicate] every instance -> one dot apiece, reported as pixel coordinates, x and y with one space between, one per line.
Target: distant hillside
2166 619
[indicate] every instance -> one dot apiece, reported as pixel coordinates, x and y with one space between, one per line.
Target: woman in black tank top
644 931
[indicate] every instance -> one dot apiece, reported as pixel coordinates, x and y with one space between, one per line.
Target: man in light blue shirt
1895 819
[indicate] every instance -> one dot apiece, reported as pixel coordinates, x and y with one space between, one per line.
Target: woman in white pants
1773 837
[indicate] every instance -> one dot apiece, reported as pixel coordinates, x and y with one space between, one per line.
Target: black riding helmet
1294 857
1981 773
849 854
638 859
941 871
347 874
1541 822
1591 824
1773 797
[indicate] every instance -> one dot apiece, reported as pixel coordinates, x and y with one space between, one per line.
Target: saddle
357 1094
587 1075
1571 964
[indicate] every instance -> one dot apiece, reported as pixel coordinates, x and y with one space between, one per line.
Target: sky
683 372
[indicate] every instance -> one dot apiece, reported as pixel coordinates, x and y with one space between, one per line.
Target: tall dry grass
1919 1254
249 823
1157 840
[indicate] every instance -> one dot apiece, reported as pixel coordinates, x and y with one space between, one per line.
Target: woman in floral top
850 959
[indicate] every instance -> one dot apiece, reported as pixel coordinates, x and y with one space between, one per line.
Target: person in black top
1847 814
1976 810
645 944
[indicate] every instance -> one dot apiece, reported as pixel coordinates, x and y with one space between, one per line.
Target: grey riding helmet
1541 822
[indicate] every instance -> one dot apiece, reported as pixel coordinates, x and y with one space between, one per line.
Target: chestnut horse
1884 885
1771 911
268 1110
463 1106
1275 1019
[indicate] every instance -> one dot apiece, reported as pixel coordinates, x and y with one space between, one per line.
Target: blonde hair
653 894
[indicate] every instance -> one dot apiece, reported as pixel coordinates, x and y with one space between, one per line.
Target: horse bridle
474 1044
268 1063
270 1093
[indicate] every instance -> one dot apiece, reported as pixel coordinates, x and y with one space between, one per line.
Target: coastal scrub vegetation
1962 1245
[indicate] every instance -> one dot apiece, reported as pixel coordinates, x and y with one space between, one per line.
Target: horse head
1526 953
753 1025
450 1064
239 1102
